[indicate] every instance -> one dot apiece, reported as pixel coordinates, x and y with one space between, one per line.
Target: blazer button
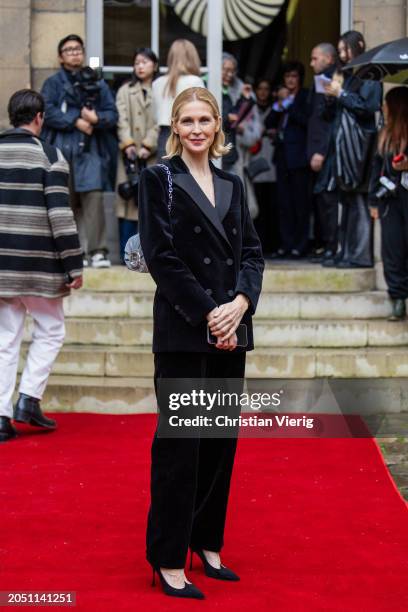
176 307
234 231
197 229
208 291
230 261
207 260
230 292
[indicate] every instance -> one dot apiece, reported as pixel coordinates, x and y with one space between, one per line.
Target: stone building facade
30 30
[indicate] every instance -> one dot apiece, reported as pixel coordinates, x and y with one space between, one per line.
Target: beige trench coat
135 126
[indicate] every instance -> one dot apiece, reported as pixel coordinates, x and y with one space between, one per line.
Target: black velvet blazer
199 256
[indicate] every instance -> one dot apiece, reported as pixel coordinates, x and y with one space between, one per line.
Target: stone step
268 333
99 395
365 305
125 363
279 278
136 395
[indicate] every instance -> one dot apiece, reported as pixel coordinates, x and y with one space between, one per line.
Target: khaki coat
135 126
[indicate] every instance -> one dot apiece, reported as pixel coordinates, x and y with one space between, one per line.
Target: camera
387 189
129 188
87 83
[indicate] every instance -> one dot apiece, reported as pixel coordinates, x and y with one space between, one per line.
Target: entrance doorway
301 24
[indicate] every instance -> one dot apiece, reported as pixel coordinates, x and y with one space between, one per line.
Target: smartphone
241 331
398 158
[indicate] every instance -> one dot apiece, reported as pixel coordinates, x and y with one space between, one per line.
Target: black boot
399 311
7 431
27 410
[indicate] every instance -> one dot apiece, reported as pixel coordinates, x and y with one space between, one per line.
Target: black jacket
199 256
363 99
291 146
318 129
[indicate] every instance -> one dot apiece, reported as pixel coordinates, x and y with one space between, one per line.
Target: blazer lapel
223 195
191 187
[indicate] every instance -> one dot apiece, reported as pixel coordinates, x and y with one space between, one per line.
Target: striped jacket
39 245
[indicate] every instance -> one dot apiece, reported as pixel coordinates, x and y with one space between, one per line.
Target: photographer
388 197
80 111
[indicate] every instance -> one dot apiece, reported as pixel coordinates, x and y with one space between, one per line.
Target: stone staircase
311 322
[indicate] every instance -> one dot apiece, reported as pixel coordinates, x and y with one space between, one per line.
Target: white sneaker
99 260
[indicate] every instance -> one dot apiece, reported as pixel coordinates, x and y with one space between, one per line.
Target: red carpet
314 525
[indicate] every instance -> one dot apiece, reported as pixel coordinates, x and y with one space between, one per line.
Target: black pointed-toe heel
188 591
222 573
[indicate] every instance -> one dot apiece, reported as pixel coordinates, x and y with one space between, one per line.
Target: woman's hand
144 153
224 320
401 166
228 345
333 89
131 152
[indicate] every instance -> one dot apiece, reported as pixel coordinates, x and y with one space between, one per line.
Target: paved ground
395 451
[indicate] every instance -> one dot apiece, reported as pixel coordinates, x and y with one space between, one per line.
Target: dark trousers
190 477
267 222
327 204
294 207
394 243
127 228
356 229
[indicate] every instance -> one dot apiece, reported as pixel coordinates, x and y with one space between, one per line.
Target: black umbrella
386 59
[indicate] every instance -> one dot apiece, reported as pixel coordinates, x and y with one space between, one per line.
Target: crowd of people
305 155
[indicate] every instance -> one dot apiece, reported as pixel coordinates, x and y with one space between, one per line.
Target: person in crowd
183 63
40 259
235 97
205 257
324 63
79 113
389 200
241 124
137 133
288 122
247 124
267 222
351 108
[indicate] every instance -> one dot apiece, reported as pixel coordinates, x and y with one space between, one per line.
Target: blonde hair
182 58
196 94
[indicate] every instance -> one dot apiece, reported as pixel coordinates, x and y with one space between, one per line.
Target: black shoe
346 265
279 254
27 410
222 573
399 311
188 591
7 431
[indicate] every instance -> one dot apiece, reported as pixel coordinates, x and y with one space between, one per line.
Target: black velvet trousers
190 477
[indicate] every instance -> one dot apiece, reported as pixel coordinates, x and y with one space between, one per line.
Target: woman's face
144 67
263 92
196 127
343 52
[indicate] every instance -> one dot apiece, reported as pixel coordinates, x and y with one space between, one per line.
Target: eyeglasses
72 51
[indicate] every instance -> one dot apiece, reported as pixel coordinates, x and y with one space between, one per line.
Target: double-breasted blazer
200 256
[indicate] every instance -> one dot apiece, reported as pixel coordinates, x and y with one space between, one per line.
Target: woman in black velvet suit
206 260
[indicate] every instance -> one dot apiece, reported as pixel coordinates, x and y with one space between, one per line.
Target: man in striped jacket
40 258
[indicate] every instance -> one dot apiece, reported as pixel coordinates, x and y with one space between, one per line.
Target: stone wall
51 21
15 26
381 20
